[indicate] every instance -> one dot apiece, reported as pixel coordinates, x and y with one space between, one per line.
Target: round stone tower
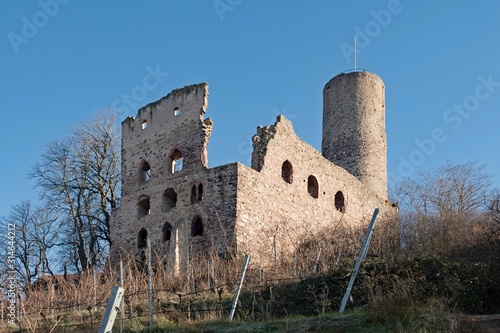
354 127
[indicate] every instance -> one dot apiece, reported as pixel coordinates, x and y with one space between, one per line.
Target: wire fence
208 303
204 289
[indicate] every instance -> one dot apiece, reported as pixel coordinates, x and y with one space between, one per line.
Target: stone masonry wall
268 206
199 192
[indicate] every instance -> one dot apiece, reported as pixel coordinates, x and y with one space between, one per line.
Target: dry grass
401 307
205 291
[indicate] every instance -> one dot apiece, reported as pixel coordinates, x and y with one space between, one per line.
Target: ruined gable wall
269 206
189 132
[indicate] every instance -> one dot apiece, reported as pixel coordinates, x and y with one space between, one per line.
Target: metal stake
362 254
242 276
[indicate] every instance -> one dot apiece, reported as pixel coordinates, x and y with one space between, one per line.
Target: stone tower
354 127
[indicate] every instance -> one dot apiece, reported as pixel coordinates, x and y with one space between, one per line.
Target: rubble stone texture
354 127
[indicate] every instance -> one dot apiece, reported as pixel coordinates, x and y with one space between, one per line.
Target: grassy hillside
418 295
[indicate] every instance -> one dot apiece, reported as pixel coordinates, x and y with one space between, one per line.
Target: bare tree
443 208
79 177
25 247
36 232
494 206
449 190
46 232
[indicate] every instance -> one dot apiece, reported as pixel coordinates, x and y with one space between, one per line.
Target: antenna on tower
354 51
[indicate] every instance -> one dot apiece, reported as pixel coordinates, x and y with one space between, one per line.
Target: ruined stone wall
174 198
269 206
354 135
290 192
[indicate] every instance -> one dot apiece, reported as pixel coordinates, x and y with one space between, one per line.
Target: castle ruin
173 198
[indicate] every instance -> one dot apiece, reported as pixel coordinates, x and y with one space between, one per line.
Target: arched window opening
142 238
200 192
197 227
144 207
287 172
144 124
169 199
312 186
193 194
145 172
166 232
176 161
339 202
177 111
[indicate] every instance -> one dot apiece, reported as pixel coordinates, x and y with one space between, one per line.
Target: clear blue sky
440 61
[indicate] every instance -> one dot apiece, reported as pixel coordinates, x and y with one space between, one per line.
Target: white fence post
242 276
122 307
113 305
362 254
315 267
150 291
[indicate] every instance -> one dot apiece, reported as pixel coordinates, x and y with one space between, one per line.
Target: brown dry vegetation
401 293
